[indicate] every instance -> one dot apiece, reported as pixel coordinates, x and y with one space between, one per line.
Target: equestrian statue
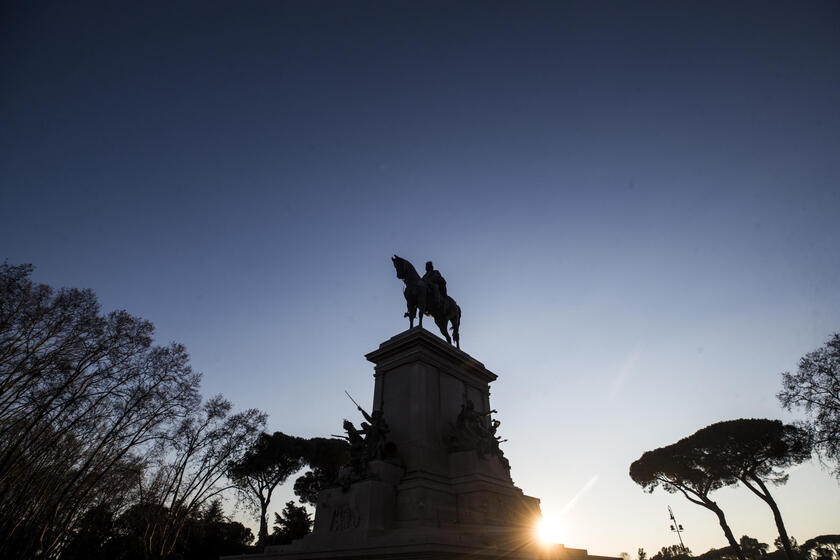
428 295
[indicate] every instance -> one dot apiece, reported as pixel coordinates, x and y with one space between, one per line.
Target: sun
550 530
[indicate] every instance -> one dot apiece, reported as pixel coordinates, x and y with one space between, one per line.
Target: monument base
447 492
474 542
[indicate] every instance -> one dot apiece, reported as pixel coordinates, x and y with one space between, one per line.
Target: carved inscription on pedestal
344 519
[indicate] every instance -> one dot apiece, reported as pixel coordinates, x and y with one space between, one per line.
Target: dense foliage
208 534
822 547
673 552
325 457
294 522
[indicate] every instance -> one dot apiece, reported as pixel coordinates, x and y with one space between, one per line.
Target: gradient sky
635 205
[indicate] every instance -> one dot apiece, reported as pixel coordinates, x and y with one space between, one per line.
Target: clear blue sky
635 204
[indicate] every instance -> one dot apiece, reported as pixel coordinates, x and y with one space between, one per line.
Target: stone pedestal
432 500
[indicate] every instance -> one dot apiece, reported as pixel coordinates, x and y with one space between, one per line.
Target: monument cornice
419 343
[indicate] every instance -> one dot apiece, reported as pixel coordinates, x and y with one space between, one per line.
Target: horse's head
399 266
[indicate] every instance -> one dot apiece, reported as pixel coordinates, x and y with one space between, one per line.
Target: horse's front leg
421 305
410 314
456 323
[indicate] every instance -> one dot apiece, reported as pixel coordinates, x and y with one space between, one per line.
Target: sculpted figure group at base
370 443
473 431
428 295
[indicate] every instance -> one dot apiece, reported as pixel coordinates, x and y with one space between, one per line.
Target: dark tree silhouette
208 535
679 467
93 531
267 464
105 447
673 552
325 458
755 452
822 547
723 553
81 397
212 535
777 542
136 532
816 387
753 549
293 523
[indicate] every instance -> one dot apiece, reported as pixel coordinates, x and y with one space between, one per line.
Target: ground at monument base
433 544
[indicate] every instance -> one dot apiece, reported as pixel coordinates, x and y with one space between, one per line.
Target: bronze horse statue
419 297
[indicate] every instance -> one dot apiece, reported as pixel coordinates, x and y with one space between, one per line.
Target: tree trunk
777 515
263 535
726 530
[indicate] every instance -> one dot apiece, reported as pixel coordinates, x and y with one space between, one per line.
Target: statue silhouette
428 295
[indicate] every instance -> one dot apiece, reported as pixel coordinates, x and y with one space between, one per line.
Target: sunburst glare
550 530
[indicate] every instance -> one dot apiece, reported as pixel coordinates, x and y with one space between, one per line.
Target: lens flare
550 530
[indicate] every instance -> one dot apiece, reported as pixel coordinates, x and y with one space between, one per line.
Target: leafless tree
815 387
82 397
194 458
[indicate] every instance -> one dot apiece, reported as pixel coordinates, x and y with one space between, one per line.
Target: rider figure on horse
428 295
437 287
